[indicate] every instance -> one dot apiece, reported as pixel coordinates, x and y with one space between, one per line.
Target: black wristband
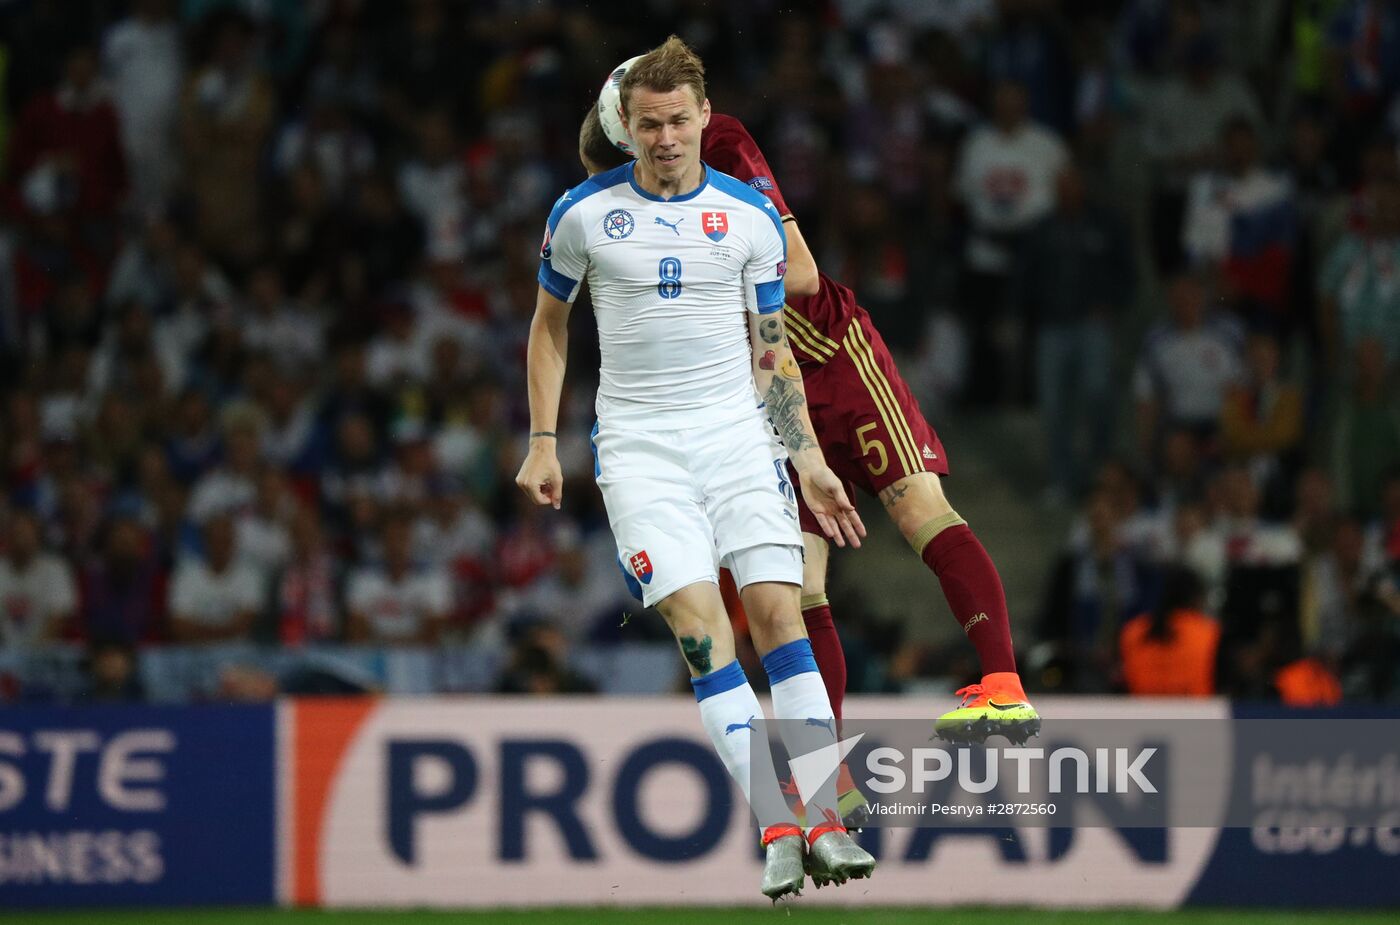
543 433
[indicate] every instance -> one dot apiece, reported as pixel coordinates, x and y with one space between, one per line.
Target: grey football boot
834 857
782 867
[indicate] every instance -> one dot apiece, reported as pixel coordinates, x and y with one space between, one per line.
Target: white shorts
680 502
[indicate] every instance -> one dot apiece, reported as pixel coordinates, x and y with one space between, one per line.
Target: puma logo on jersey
976 619
671 225
929 454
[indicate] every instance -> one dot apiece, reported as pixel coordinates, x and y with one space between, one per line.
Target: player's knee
772 608
914 501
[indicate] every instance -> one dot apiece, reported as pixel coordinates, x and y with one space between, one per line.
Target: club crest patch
618 224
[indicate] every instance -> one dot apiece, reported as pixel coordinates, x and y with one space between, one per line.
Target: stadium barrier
486 802
192 673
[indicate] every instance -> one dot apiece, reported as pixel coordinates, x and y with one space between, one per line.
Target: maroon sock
974 592
826 649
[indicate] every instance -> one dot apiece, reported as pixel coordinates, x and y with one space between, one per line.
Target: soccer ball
610 109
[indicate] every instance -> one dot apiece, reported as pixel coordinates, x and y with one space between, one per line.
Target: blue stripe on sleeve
556 283
770 296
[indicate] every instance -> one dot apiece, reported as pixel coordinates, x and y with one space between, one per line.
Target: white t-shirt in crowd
397 610
1007 180
1189 372
33 597
202 596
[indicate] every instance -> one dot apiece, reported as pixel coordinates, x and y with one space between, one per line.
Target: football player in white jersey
685 268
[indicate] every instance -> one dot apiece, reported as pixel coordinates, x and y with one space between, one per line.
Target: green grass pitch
788 914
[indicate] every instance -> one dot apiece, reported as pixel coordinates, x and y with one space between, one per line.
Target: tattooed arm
779 383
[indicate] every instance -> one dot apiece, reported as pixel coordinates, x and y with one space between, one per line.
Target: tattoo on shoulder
893 494
784 403
770 330
697 652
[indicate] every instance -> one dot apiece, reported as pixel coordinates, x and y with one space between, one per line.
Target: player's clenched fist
540 476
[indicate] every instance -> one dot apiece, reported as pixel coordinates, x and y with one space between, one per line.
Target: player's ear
705 113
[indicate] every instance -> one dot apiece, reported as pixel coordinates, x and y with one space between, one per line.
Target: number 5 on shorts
877 445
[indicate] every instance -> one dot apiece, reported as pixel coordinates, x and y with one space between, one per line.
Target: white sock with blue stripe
730 713
804 715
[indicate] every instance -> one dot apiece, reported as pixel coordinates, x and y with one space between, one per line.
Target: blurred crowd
267 269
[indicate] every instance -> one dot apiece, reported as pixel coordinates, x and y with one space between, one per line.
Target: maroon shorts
867 421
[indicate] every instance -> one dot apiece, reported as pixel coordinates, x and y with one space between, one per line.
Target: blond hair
669 65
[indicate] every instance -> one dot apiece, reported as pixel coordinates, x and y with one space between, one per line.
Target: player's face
666 127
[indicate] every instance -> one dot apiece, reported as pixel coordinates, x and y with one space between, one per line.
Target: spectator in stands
1006 177
113 674
328 139
1097 585
290 438
537 665
355 471
141 59
1337 585
230 488
1259 615
1171 651
38 594
226 112
1314 511
1365 439
398 602
580 592
1193 545
1262 421
1185 117
1241 224
385 235
1364 38
122 591
1360 297
66 152
432 185
307 234
213 597
1250 538
1181 472
1185 370
262 532
1075 280
308 591
200 299
277 326
1383 532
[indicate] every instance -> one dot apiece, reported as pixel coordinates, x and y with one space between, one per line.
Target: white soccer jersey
670 281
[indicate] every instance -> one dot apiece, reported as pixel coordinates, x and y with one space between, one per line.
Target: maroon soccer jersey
817 323
729 148
864 414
